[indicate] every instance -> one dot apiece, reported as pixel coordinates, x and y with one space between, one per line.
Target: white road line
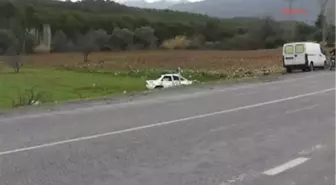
286 166
156 100
163 123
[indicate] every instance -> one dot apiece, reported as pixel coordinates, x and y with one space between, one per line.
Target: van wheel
311 66
325 65
288 70
331 65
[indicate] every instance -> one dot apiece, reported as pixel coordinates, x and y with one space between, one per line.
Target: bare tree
13 59
87 44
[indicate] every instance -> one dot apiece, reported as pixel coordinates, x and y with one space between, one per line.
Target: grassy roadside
53 85
56 85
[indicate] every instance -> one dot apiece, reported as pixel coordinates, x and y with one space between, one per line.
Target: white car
167 80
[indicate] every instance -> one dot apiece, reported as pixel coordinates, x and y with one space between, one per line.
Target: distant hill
254 8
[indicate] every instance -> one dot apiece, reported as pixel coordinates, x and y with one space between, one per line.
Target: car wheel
288 70
158 87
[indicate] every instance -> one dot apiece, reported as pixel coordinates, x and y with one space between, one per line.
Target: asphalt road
275 133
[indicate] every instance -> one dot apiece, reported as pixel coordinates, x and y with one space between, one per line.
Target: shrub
179 42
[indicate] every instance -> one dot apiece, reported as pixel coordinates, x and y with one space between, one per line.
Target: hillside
76 25
107 8
254 8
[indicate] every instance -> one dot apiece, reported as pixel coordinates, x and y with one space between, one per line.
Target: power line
292 24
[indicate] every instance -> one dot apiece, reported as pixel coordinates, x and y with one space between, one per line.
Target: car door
177 80
167 81
184 81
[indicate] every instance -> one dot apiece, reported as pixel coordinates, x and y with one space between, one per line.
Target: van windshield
289 49
299 48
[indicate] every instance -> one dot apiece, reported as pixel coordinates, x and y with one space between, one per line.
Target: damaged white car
167 80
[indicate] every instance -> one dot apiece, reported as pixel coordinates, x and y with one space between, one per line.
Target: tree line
96 25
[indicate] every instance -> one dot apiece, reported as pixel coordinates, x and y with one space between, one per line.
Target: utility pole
323 4
292 24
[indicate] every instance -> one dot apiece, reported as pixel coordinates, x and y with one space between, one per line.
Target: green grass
60 85
75 84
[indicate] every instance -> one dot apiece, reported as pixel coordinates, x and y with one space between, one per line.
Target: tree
121 38
304 32
7 38
12 58
102 38
145 36
59 41
87 44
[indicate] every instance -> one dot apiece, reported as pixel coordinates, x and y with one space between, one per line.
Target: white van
303 55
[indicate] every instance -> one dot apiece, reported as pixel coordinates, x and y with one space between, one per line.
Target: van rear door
288 53
299 54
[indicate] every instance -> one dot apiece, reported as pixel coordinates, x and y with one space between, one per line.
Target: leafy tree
59 41
121 38
102 38
7 39
146 36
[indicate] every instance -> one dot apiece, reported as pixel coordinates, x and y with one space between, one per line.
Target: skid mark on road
244 177
286 166
302 109
245 93
312 149
222 128
237 179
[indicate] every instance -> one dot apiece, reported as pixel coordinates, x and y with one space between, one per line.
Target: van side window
299 48
289 49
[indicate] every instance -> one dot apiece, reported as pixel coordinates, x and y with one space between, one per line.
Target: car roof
171 74
290 43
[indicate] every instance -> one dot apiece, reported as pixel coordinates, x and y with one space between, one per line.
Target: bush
179 42
30 97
